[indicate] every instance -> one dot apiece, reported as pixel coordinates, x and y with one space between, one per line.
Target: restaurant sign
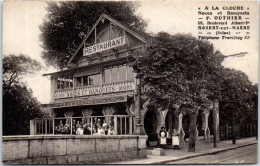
104 46
95 90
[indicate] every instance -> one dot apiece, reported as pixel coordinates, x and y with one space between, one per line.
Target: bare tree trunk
192 134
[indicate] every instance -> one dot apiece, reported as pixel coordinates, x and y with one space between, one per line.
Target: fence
241 131
89 125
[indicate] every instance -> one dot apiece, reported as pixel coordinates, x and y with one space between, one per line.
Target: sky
21 20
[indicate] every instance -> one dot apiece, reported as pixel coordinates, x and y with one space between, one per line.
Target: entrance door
170 121
150 122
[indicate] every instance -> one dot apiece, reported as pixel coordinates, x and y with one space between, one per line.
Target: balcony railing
104 89
90 125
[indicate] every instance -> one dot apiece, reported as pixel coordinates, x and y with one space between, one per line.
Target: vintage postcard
130 82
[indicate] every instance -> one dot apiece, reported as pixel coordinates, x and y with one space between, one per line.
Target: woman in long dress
175 139
162 135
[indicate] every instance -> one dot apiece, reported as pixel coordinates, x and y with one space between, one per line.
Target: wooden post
115 123
49 124
32 126
125 125
91 125
53 126
121 125
71 125
130 125
45 121
42 127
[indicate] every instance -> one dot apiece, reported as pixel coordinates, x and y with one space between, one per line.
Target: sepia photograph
130 82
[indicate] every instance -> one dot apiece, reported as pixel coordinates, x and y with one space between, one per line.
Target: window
107 75
114 74
78 81
88 80
64 83
130 73
71 83
118 74
58 84
85 81
122 73
95 79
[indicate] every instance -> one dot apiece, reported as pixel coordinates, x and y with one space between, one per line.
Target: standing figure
105 126
162 135
60 127
67 127
77 125
87 129
95 127
175 139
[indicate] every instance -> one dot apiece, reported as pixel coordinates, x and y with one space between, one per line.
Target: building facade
99 83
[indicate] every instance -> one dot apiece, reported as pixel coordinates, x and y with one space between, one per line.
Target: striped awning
91 101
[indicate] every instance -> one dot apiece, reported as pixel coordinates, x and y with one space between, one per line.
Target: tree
19 105
180 70
238 101
15 67
67 23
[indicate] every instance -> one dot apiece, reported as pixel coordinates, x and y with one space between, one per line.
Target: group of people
173 136
99 127
102 127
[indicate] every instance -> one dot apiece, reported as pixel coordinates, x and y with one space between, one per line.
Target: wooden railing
104 89
91 125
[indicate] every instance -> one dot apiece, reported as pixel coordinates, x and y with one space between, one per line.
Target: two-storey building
100 85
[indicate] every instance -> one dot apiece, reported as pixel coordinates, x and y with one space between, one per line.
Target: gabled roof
144 37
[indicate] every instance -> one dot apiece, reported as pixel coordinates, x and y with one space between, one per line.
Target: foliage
180 70
19 105
239 97
67 23
15 67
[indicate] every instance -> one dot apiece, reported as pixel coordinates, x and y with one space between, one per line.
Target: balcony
87 91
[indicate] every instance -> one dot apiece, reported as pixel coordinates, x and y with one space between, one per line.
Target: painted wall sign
96 90
92 101
104 46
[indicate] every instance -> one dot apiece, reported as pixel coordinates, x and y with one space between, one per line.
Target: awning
92 101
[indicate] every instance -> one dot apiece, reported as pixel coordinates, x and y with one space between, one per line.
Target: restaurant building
99 83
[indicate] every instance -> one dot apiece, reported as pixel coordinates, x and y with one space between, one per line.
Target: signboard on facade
104 46
96 90
92 101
